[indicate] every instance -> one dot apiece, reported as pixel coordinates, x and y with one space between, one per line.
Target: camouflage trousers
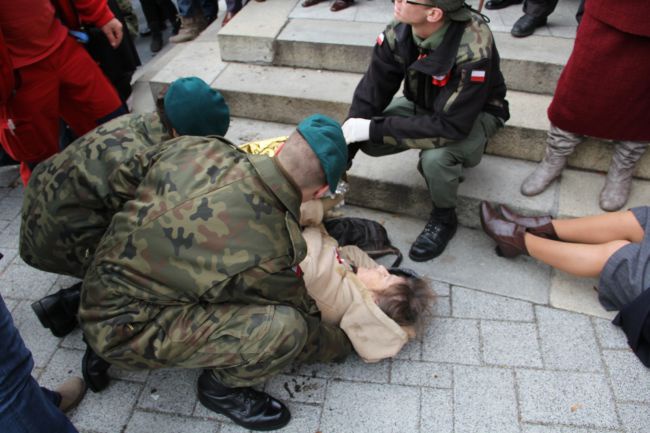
244 345
441 167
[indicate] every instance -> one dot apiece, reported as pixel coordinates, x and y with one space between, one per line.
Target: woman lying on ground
611 246
379 309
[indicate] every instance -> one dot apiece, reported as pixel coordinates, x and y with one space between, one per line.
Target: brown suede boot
539 226
508 235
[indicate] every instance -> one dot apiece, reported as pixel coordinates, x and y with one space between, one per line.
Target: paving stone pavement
486 363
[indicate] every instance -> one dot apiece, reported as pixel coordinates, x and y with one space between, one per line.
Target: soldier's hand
113 31
356 129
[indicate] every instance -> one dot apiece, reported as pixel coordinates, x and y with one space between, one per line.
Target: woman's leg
600 229
583 260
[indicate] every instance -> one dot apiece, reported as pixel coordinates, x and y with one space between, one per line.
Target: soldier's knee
287 332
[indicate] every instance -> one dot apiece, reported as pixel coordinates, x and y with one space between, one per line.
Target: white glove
356 129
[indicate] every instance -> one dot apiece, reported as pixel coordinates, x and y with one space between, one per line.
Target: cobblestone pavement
486 363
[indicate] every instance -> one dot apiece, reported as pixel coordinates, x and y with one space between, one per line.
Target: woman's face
377 279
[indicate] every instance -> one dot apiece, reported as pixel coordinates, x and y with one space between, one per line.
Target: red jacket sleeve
94 12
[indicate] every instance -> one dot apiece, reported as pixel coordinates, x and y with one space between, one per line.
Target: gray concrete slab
412 351
9 175
437 411
371 408
609 335
145 422
25 282
37 339
60 367
635 417
579 192
484 400
9 254
287 95
441 307
451 341
163 389
531 428
108 411
10 208
300 389
630 379
416 373
554 397
510 344
354 369
568 341
577 294
200 59
472 304
250 35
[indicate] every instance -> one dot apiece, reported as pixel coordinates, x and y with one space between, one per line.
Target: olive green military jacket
207 224
72 196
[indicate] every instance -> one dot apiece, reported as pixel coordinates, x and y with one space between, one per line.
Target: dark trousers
25 407
157 11
539 8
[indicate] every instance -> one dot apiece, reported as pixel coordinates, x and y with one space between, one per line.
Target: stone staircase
276 62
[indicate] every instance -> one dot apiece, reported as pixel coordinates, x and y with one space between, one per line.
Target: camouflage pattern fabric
210 235
131 19
72 196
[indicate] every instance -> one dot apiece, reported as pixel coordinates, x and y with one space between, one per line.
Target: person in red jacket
55 78
603 93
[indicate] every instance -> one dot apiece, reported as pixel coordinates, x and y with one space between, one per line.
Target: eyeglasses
429 5
421 4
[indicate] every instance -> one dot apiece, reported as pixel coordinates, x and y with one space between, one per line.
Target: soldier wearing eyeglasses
453 102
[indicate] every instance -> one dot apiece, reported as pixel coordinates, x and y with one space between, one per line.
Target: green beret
193 108
325 137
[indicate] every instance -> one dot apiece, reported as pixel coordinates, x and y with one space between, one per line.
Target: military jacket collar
439 61
278 183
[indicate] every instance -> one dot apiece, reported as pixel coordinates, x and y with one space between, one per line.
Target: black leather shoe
58 312
526 25
500 4
95 370
434 238
254 410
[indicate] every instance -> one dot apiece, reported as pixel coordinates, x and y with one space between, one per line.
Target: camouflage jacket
452 83
72 196
207 224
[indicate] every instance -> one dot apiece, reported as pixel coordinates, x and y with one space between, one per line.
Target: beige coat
340 296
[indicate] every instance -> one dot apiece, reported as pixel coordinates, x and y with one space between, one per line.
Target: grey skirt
627 272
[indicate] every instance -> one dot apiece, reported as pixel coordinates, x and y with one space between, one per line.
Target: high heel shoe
508 235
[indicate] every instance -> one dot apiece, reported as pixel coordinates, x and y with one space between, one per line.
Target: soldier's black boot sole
254 410
95 370
58 312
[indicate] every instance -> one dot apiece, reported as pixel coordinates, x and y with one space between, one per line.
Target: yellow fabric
263 147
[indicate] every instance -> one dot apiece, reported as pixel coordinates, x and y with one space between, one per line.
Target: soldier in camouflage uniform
72 196
454 101
198 270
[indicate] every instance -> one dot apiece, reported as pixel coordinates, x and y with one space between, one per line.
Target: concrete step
347 46
286 95
282 37
392 183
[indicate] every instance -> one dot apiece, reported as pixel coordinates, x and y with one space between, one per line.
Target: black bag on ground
366 234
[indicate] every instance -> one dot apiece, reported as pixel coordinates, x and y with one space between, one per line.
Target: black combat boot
254 410
95 370
58 312
433 240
